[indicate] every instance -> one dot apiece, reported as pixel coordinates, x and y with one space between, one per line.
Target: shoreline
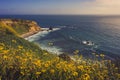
25 35
28 34
32 36
40 34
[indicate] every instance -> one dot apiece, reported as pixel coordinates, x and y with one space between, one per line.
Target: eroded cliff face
21 26
34 27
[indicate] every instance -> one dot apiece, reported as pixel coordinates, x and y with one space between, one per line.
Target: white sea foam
41 34
37 36
51 49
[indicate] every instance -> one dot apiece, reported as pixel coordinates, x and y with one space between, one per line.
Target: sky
74 7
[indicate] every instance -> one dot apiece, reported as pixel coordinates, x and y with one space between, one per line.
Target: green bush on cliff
6 30
21 28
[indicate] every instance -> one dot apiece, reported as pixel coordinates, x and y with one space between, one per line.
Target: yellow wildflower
5 57
24 60
38 73
20 47
17 57
80 67
46 65
83 62
37 63
2 44
11 67
22 67
45 54
58 66
57 59
102 55
48 62
75 73
76 52
14 41
97 55
22 73
43 70
86 77
64 69
1 48
5 51
52 71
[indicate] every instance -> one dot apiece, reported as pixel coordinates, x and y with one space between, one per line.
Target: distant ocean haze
102 31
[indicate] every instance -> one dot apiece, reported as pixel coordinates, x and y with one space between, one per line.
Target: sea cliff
24 28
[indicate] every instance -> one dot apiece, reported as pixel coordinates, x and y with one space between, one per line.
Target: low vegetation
22 64
22 60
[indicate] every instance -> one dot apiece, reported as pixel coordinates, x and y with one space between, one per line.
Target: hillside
11 31
23 60
20 26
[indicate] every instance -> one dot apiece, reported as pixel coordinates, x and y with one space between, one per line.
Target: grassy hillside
19 26
22 60
10 38
4 30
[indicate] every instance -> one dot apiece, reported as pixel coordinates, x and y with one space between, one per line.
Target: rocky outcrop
33 26
23 27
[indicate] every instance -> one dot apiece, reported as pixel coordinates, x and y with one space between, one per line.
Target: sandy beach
29 34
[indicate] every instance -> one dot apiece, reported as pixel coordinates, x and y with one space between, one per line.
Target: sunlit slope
22 60
20 26
10 37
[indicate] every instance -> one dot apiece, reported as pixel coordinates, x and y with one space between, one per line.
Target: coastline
31 33
35 35
25 35
40 34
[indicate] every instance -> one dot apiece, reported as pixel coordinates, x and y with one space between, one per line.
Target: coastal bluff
24 28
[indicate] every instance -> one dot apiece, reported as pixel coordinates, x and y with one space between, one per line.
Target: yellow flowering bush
21 64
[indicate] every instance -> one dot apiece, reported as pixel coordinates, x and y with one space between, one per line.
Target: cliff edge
23 28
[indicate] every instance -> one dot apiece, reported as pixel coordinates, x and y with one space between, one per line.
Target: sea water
103 31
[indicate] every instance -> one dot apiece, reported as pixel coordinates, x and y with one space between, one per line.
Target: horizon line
69 14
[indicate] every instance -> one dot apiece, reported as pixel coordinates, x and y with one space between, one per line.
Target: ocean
88 34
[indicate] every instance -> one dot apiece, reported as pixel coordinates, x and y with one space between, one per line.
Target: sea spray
41 34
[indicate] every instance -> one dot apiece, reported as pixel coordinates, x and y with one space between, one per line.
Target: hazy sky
60 7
